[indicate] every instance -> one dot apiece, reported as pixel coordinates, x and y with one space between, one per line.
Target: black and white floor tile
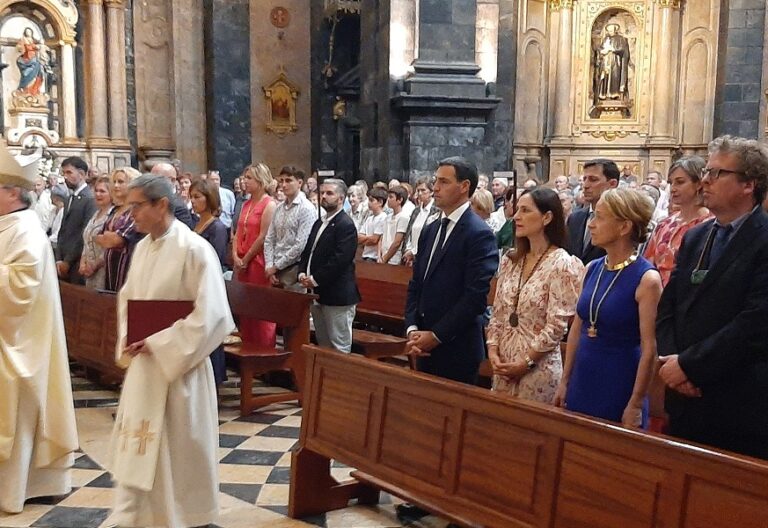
254 470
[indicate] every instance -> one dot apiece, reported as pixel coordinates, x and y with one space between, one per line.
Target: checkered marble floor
254 469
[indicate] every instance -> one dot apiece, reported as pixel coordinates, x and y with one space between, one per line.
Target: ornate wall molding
674 4
557 5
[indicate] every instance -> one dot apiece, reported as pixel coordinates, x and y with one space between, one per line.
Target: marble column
96 82
68 91
118 104
563 9
661 125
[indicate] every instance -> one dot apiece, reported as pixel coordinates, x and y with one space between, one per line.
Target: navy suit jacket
719 328
577 224
333 262
451 300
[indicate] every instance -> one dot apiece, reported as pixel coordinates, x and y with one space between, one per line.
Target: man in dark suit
327 267
78 210
712 323
180 210
448 293
599 175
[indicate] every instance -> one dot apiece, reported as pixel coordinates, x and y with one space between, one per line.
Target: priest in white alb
38 434
165 442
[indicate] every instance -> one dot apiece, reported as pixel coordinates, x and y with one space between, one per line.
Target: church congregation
394 263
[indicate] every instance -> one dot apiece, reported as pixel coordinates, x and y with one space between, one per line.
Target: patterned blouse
117 260
93 253
665 243
547 301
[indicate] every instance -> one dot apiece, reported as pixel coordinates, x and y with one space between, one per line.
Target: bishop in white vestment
38 433
165 442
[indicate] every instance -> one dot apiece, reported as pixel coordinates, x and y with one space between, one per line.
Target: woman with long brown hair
536 295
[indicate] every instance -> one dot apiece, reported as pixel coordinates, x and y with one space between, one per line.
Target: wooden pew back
90 324
484 459
383 289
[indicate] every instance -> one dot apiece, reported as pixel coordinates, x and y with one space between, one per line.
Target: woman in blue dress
611 347
206 205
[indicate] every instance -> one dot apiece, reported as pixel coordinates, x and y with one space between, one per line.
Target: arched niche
36 43
612 90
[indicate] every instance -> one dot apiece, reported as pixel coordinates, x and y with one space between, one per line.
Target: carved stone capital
557 5
94 2
674 4
114 4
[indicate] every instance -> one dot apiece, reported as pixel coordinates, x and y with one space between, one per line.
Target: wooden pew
289 310
483 459
90 324
383 289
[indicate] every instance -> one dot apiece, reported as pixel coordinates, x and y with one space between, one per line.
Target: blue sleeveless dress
605 367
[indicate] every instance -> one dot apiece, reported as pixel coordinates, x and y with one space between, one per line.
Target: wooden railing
483 459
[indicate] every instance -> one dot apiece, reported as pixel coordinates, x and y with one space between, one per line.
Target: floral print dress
547 301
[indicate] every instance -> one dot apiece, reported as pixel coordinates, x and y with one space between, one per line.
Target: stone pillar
445 105
68 91
563 9
662 122
96 82
118 105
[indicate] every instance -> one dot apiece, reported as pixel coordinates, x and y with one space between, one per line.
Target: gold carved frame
280 98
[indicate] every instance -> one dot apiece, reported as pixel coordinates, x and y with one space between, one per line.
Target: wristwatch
529 363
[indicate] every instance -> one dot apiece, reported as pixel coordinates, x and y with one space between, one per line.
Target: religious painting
281 97
614 35
29 82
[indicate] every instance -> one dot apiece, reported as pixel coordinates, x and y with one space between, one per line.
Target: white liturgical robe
165 441
38 433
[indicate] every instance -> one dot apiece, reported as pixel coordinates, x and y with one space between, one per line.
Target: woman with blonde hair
248 245
536 295
482 204
685 197
92 259
611 346
119 236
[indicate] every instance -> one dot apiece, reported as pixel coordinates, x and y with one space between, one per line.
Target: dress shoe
407 512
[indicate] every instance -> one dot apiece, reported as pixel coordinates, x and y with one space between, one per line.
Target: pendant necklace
514 320
593 312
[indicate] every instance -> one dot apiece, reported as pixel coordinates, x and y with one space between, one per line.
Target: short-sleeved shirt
397 223
373 225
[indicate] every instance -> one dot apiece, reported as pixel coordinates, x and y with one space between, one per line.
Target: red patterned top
665 242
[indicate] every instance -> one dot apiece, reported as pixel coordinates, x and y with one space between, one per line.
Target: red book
149 317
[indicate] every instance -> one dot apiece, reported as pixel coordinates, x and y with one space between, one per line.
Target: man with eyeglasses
711 325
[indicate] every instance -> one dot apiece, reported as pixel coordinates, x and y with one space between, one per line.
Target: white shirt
373 225
422 219
228 201
397 223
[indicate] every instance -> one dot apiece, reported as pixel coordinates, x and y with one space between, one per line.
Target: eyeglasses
714 173
135 205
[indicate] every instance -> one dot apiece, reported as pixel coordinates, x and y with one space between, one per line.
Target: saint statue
31 63
612 66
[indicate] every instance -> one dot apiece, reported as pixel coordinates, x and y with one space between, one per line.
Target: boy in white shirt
390 246
373 227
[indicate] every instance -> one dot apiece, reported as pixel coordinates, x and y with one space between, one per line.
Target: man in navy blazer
599 175
712 323
327 267
448 292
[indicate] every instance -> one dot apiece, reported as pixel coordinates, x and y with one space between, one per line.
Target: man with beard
78 209
327 267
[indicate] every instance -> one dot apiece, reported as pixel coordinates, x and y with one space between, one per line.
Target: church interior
374 90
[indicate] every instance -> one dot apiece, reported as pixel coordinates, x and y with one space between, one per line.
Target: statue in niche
611 65
612 69
30 63
34 67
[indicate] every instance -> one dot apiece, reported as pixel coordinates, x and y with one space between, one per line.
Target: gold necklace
621 265
593 313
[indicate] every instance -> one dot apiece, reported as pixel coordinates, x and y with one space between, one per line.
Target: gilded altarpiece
632 80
